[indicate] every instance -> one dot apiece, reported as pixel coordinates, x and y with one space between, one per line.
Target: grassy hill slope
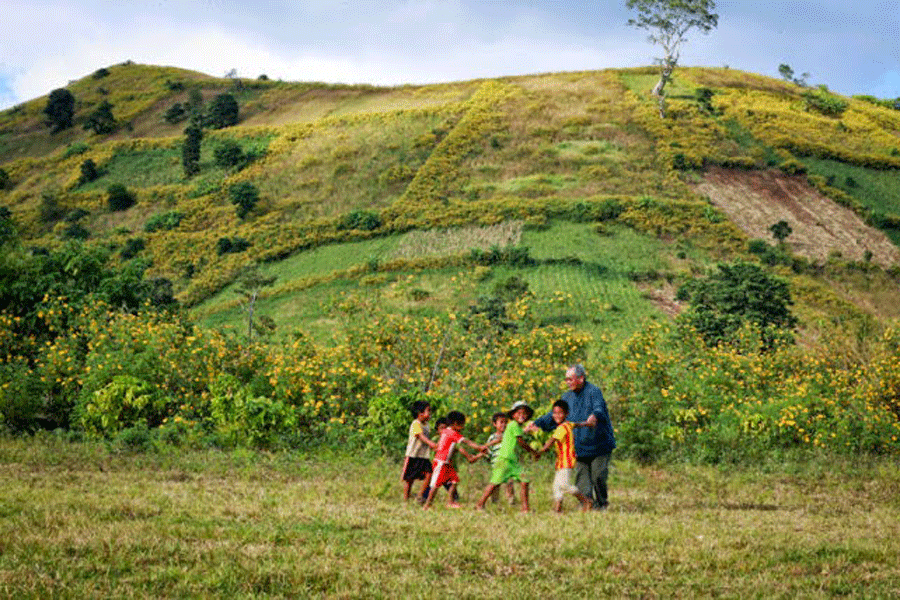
400 209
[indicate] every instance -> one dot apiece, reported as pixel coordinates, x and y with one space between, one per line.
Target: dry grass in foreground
81 521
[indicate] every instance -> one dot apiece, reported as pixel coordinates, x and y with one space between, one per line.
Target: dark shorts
416 468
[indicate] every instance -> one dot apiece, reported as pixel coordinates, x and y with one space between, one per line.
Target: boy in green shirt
507 467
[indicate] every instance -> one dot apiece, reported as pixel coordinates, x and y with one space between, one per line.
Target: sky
853 48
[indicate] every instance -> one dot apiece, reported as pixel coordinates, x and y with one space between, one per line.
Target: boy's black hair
441 421
562 404
454 417
498 415
418 406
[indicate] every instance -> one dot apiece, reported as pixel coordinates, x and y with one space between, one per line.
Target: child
499 421
417 465
507 468
561 438
443 470
439 427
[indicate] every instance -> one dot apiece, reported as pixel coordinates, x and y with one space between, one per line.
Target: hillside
417 203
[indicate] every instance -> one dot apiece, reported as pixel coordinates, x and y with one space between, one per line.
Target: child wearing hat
507 467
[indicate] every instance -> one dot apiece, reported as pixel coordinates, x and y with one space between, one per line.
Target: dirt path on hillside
755 200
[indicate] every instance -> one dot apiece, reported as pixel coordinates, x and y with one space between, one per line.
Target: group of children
502 448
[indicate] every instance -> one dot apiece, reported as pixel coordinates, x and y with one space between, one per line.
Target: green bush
101 121
360 219
738 294
229 155
118 197
122 403
244 196
163 221
89 172
222 112
385 426
824 103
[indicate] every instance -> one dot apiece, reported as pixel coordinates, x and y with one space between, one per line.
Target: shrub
132 248
49 209
824 103
101 121
244 196
118 197
235 245
4 179
222 112
163 221
735 295
60 109
386 423
122 403
190 150
781 230
89 172
75 231
360 219
176 114
229 155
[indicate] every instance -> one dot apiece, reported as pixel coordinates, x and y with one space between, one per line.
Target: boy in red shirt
442 471
561 438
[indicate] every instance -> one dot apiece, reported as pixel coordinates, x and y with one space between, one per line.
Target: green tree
176 114
101 121
89 172
244 196
60 109
118 197
668 22
738 294
781 230
222 112
190 150
250 286
229 155
8 231
787 73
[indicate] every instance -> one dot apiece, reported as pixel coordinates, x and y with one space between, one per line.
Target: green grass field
83 520
598 295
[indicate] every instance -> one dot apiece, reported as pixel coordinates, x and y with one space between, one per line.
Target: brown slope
755 200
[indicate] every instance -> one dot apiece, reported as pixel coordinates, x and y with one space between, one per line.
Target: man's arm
545 423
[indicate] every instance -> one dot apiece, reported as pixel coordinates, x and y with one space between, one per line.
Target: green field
582 278
83 521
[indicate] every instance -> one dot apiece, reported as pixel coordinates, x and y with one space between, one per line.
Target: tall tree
223 111
668 22
60 109
101 120
190 150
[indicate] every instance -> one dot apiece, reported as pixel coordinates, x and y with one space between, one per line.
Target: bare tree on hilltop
668 22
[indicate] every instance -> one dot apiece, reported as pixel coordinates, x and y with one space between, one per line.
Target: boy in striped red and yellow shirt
562 440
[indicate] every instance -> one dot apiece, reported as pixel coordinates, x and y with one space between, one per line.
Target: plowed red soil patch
755 200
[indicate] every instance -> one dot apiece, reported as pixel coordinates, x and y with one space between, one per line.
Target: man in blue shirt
593 444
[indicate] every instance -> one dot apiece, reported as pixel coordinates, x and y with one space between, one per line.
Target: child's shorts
562 484
416 468
507 470
443 473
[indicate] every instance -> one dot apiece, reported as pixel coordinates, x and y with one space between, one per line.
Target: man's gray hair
579 371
